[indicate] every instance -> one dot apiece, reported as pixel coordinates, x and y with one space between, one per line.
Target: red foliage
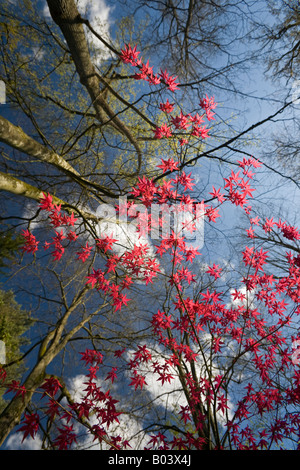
258 340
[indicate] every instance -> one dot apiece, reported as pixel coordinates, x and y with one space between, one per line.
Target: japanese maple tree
227 357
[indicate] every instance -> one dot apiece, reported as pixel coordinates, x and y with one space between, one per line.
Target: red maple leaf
138 380
30 426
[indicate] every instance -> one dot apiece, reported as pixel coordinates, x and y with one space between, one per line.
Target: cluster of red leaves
31 244
182 122
95 402
247 330
190 124
57 219
130 55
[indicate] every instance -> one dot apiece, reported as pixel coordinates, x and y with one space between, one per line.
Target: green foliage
14 322
9 246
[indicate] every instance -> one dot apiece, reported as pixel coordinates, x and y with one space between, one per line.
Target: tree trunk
15 137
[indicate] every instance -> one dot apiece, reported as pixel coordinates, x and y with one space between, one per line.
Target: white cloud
38 53
126 234
14 442
29 211
99 15
96 11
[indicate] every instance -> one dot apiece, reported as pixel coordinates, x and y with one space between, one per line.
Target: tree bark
16 186
15 137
